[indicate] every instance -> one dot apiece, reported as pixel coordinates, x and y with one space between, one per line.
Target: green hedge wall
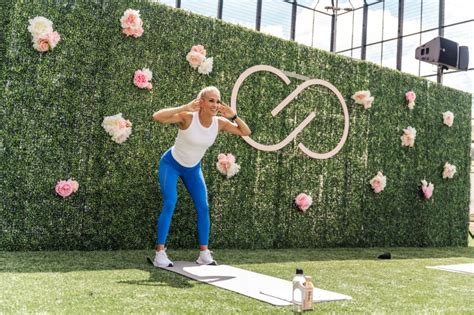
53 105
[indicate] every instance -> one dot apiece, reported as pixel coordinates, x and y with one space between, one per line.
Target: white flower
363 98
233 169
448 118
408 137
206 66
379 182
449 170
118 127
40 26
368 102
122 135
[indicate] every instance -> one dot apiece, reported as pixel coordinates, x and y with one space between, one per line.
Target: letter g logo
286 101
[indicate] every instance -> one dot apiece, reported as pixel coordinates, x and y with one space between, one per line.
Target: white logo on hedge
286 101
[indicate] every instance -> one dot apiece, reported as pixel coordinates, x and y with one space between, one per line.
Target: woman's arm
173 115
239 127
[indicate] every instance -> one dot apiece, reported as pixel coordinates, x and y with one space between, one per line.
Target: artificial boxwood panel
53 105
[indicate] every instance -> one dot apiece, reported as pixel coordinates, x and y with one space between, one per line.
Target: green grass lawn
122 282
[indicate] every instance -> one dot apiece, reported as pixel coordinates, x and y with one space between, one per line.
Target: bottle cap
299 271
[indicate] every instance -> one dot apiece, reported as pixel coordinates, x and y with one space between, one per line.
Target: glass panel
411 17
409 63
457 11
389 54
430 14
305 20
358 15
463 80
356 53
390 20
374 53
322 31
344 32
276 18
240 12
204 7
374 23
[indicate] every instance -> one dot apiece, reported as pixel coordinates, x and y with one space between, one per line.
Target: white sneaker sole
214 263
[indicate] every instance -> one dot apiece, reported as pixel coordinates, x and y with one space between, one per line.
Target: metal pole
439 73
258 19
334 25
365 14
401 7
293 20
220 4
178 4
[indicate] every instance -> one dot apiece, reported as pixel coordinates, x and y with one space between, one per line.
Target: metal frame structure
336 12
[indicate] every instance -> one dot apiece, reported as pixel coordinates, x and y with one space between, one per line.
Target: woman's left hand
225 110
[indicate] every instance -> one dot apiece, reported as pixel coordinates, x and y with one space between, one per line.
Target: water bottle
308 293
298 288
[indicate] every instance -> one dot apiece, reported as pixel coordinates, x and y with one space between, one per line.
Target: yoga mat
463 268
255 285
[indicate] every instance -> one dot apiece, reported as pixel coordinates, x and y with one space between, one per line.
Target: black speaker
463 63
439 51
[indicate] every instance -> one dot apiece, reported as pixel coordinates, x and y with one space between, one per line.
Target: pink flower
449 170
427 189
65 188
303 201
448 118
41 43
195 59
46 42
408 137
226 165
131 19
410 97
135 32
379 182
53 39
199 49
141 78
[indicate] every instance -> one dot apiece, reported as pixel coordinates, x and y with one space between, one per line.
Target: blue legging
168 173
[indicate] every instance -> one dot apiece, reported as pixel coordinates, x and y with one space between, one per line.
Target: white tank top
191 143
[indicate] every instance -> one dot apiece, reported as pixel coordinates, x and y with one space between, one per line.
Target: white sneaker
162 260
205 258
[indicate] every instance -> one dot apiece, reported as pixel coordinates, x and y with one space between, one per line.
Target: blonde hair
207 90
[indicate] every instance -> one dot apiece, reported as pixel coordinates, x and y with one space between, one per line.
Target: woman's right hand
194 105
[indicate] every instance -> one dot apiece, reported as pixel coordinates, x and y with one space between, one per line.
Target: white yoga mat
258 286
464 268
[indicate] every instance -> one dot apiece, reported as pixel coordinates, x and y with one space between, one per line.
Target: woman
198 127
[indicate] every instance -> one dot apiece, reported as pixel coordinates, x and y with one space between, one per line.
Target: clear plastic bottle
308 293
298 289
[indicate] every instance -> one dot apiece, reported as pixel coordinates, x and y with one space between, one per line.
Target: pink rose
226 161
65 188
135 32
41 43
141 78
131 19
448 118
53 39
195 59
199 49
303 201
410 96
427 189
377 186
